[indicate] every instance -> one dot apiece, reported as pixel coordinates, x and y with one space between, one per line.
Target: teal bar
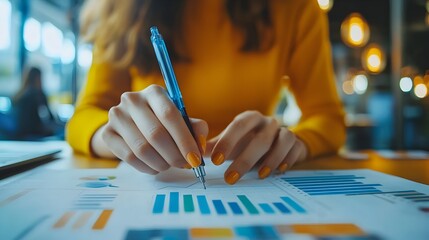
173 207
204 206
189 204
248 204
158 207
293 204
266 208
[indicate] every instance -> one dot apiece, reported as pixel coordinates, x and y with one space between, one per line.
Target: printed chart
124 204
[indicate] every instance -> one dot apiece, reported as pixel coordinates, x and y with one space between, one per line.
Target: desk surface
415 170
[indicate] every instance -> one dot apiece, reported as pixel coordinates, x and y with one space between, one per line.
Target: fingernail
218 158
232 177
283 167
187 166
264 172
193 159
203 143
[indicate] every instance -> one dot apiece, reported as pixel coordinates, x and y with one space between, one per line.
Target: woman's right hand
147 131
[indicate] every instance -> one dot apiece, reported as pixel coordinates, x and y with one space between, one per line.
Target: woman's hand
147 131
252 138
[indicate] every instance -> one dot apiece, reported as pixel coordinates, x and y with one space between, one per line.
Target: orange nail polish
283 167
264 172
193 159
203 143
187 166
232 177
218 158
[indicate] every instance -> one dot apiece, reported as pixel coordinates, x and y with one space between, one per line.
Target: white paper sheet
125 204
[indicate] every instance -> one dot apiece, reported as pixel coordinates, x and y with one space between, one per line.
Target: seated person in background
231 59
30 108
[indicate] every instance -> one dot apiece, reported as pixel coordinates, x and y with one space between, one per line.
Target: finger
127 129
155 133
201 130
122 151
239 127
256 149
172 120
281 146
290 158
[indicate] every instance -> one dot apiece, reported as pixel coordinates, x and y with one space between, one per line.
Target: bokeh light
348 87
406 84
68 51
421 90
32 34
5 22
360 84
373 59
52 40
355 30
325 5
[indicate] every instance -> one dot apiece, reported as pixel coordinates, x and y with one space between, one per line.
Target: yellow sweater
221 82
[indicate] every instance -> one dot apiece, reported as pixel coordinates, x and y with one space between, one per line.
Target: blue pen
173 90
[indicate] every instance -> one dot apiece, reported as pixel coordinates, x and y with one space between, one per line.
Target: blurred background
380 51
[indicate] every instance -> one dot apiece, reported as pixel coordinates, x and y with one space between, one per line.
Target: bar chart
342 230
332 185
175 203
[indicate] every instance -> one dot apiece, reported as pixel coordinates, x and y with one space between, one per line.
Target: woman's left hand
253 138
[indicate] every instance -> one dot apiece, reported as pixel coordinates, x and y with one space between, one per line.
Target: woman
231 58
33 117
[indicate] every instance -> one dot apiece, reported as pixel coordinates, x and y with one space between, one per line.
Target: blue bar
220 209
421 200
321 177
158 206
380 192
415 196
266 208
235 208
328 188
341 190
293 204
363 192
204 206
281 207
321 181
327 184
256 232
174 202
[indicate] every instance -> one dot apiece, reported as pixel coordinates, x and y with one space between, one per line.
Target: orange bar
83 218
328 229
102 219
13 198
211 233
64 219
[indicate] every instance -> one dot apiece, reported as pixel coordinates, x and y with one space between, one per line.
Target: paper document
125 204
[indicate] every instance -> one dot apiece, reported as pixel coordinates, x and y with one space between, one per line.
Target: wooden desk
415 170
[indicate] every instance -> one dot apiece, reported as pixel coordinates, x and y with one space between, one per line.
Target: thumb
201 130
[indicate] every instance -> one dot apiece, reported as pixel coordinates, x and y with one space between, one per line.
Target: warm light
406 84
325 5
373 59
52 40
348 87
5 23
32 34
68 51
421 90
360 84
418 80
84 56
355 30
